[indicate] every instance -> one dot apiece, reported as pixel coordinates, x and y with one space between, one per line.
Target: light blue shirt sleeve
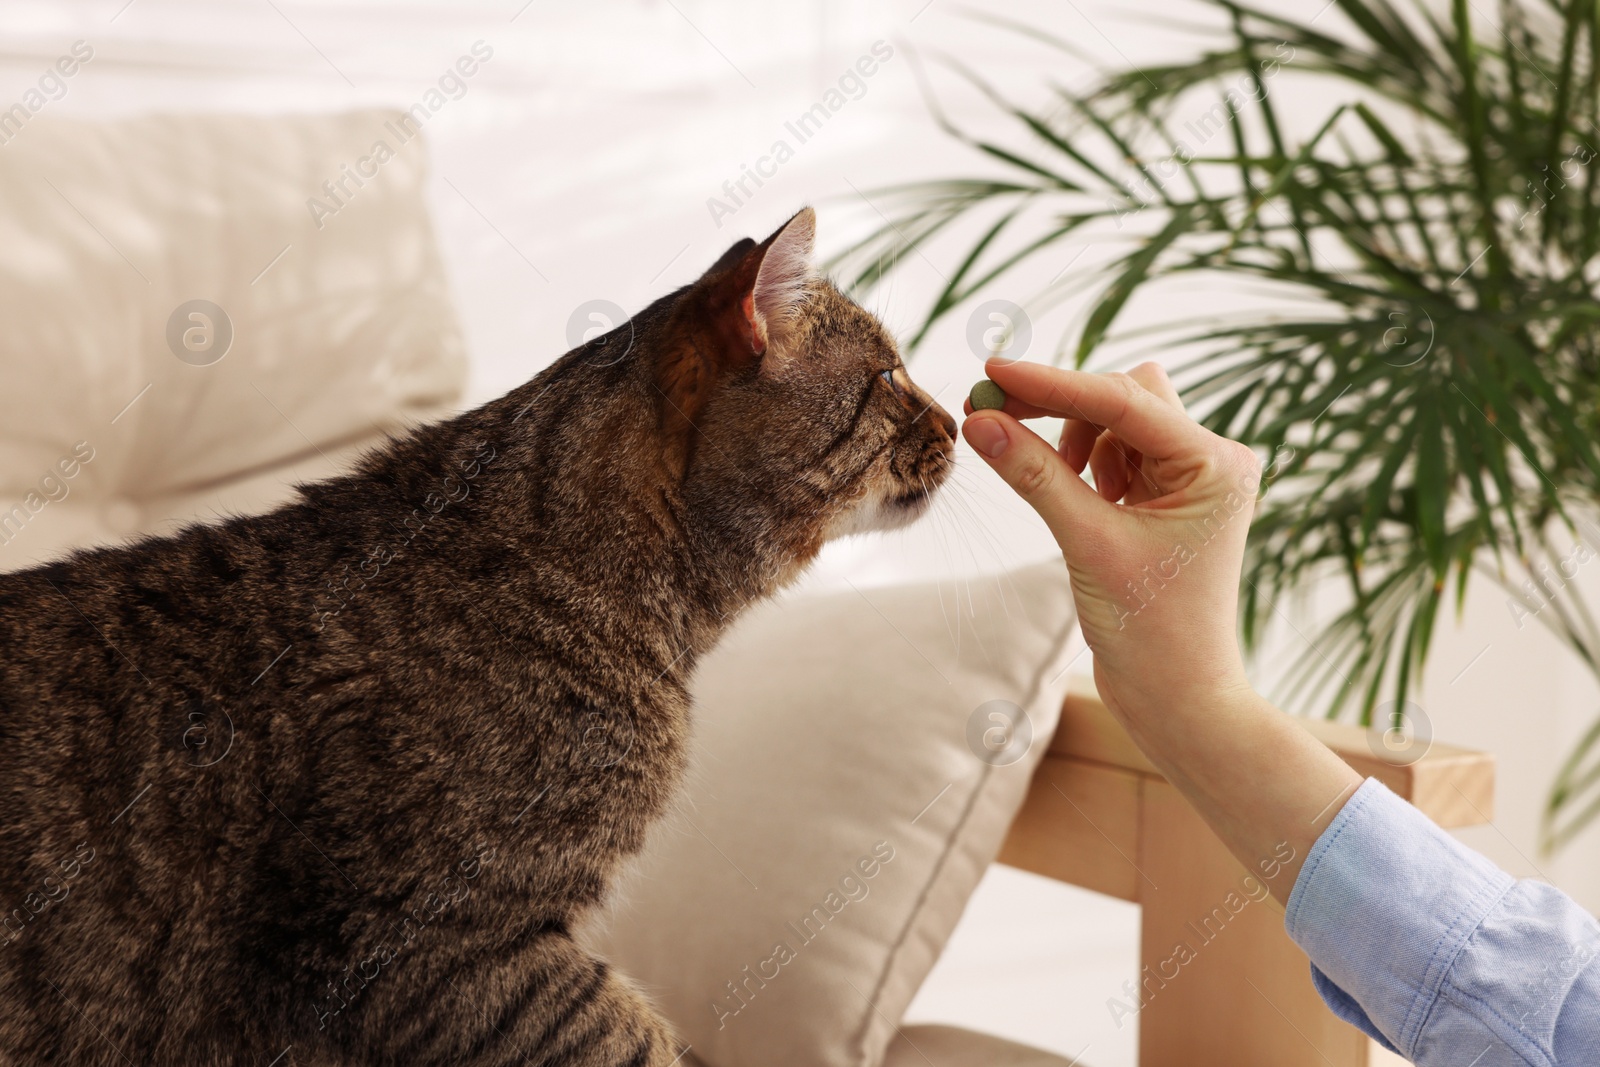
1439 954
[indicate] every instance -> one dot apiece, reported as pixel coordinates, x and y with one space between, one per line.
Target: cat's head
784 398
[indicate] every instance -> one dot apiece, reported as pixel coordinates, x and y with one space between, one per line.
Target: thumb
1036 470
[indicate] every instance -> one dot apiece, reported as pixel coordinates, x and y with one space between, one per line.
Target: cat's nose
945 422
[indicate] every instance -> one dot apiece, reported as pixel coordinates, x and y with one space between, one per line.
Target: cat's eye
891 381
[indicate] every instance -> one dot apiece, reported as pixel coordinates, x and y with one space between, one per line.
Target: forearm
1257 778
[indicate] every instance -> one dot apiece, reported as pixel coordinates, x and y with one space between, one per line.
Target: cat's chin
882 515
904 510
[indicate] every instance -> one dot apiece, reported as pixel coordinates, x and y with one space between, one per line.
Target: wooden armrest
1220 981
1453 786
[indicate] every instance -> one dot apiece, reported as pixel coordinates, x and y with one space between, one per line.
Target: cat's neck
574 501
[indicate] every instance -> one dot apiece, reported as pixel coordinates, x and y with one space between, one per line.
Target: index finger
1140 418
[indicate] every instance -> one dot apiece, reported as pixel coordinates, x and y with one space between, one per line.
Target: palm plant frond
1431 394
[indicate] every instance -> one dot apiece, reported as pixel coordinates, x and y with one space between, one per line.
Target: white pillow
838 814
342 323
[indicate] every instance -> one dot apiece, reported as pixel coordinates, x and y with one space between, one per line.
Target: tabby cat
331 785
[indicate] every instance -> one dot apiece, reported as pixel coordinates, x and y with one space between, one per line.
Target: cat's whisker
962 512
957 513
966 515
939 515
1004 559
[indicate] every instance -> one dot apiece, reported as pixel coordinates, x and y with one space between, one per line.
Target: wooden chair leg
1232 988
1220 981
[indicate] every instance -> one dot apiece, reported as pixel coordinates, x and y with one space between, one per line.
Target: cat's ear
755 290
740 309
780 283
734 256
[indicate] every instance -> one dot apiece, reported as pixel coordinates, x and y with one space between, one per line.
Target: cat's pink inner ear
757 325
780 285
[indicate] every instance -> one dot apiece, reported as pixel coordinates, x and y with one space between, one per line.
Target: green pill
986 394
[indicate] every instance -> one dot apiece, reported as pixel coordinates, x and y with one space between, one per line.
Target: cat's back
116 666
126 674
108 628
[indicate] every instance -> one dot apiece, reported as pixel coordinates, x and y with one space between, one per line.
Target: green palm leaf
1440 406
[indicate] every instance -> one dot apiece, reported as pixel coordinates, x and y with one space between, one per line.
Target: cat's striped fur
330 785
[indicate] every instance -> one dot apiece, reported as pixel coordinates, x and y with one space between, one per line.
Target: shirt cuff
1383 905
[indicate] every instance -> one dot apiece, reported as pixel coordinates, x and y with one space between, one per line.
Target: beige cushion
949 1046
831 730
340 331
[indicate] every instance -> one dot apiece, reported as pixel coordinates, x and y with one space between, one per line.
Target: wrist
1140 697
1196 730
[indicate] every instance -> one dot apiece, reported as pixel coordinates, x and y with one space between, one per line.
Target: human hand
1154 550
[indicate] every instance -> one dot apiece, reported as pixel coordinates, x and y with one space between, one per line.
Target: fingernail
987 436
